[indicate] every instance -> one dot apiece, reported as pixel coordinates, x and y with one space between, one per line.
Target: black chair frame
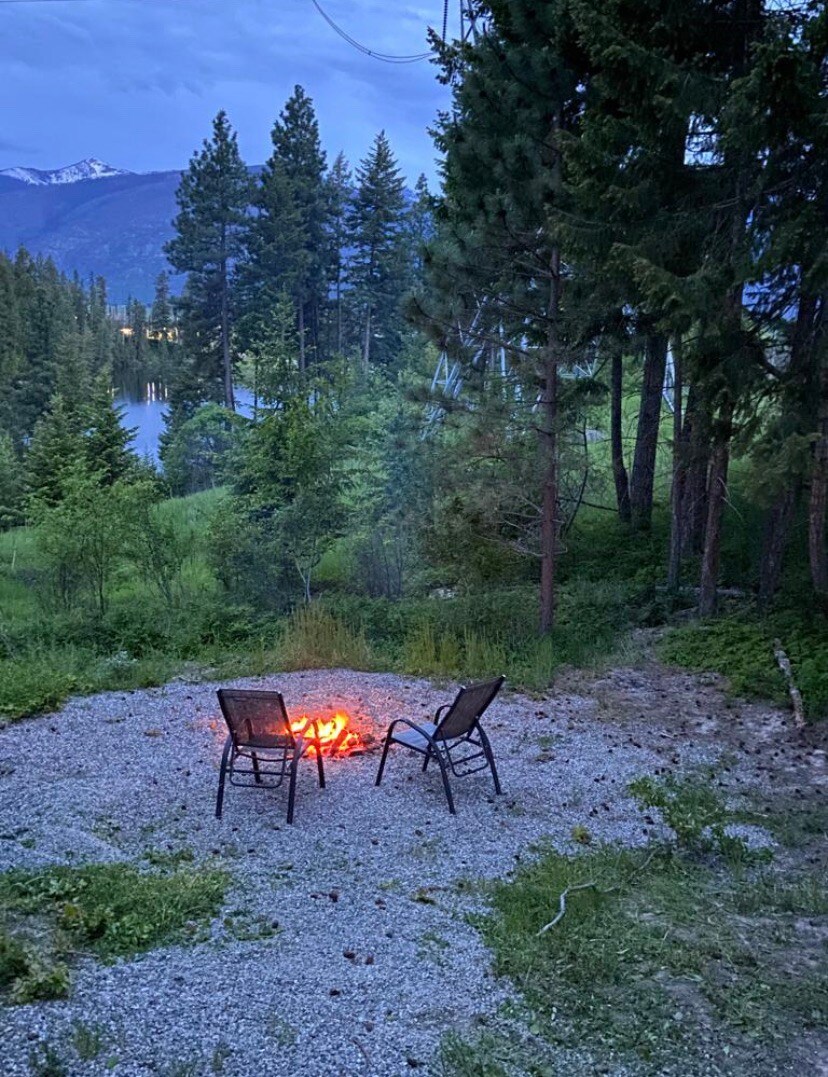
272 756
450 751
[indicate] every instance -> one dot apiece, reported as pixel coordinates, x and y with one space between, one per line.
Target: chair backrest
252 715
470 703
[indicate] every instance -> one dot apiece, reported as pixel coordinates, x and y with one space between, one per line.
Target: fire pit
337 735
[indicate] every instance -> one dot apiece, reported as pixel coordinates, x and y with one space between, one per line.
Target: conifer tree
161 314
213 199
377 266
495 265
106 439
339 183
287 234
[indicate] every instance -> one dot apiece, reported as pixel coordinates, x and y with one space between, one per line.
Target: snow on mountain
90 168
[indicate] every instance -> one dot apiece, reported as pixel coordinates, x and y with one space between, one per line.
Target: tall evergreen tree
213 199
339 200
287 235
161 313
377 265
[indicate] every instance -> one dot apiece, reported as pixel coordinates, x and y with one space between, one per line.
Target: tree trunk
300 317
549 455
619 470
646 441
716 497
818 502
227 366
697 439
677 517
366 347
774 539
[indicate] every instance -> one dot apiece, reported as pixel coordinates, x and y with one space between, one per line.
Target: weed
46 1061
88 1040
111 910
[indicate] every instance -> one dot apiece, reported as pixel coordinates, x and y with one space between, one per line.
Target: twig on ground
784 664
556 919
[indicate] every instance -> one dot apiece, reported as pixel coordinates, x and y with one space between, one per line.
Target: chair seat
412 738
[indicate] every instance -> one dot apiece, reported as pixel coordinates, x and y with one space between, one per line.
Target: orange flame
335 735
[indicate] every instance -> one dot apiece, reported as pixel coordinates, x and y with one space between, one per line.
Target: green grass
107 910
664 959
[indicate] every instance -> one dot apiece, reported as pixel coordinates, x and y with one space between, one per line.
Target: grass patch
659 961
109 910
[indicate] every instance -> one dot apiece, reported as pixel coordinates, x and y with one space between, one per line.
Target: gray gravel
111 776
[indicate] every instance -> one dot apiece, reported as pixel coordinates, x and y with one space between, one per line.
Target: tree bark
227 365
697 438
677 516
716 497
619 470
300 317
818 501
366 347
549 455
646 441
774 539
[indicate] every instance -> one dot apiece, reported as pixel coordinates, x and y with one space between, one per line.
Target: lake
143 408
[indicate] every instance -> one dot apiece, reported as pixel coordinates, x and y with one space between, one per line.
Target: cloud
143 77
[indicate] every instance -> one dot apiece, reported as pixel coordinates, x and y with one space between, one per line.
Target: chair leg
225 755
426 761
487 749
256 772
446 783
385 748
320 767
292 789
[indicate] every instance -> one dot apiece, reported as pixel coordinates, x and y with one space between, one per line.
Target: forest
577 395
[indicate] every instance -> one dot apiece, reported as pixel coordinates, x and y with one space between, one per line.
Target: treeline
58 348
301 251
628 179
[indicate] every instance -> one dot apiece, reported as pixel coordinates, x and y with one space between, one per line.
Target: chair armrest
439 711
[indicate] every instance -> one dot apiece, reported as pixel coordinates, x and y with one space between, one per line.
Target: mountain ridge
88 168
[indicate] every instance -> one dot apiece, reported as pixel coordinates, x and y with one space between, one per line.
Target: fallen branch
562 902
784 664
556 919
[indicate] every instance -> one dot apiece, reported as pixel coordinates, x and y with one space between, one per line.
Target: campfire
336 734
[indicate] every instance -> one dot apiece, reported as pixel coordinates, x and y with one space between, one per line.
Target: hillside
114 226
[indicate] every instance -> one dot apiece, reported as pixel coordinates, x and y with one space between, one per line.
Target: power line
385 57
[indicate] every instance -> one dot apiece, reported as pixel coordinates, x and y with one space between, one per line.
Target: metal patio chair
456 740
260 732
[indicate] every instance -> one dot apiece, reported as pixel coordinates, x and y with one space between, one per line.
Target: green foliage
110 910
693 811
741 648
313 639
198 451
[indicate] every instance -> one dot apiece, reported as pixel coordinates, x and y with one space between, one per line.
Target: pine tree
495 265
213 199
11 344
56 450
339 200
377 266
106 440
287 235
161 313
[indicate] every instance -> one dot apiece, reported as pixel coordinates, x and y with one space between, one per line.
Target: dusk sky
137 82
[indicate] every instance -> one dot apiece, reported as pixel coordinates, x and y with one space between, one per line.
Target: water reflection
143 406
